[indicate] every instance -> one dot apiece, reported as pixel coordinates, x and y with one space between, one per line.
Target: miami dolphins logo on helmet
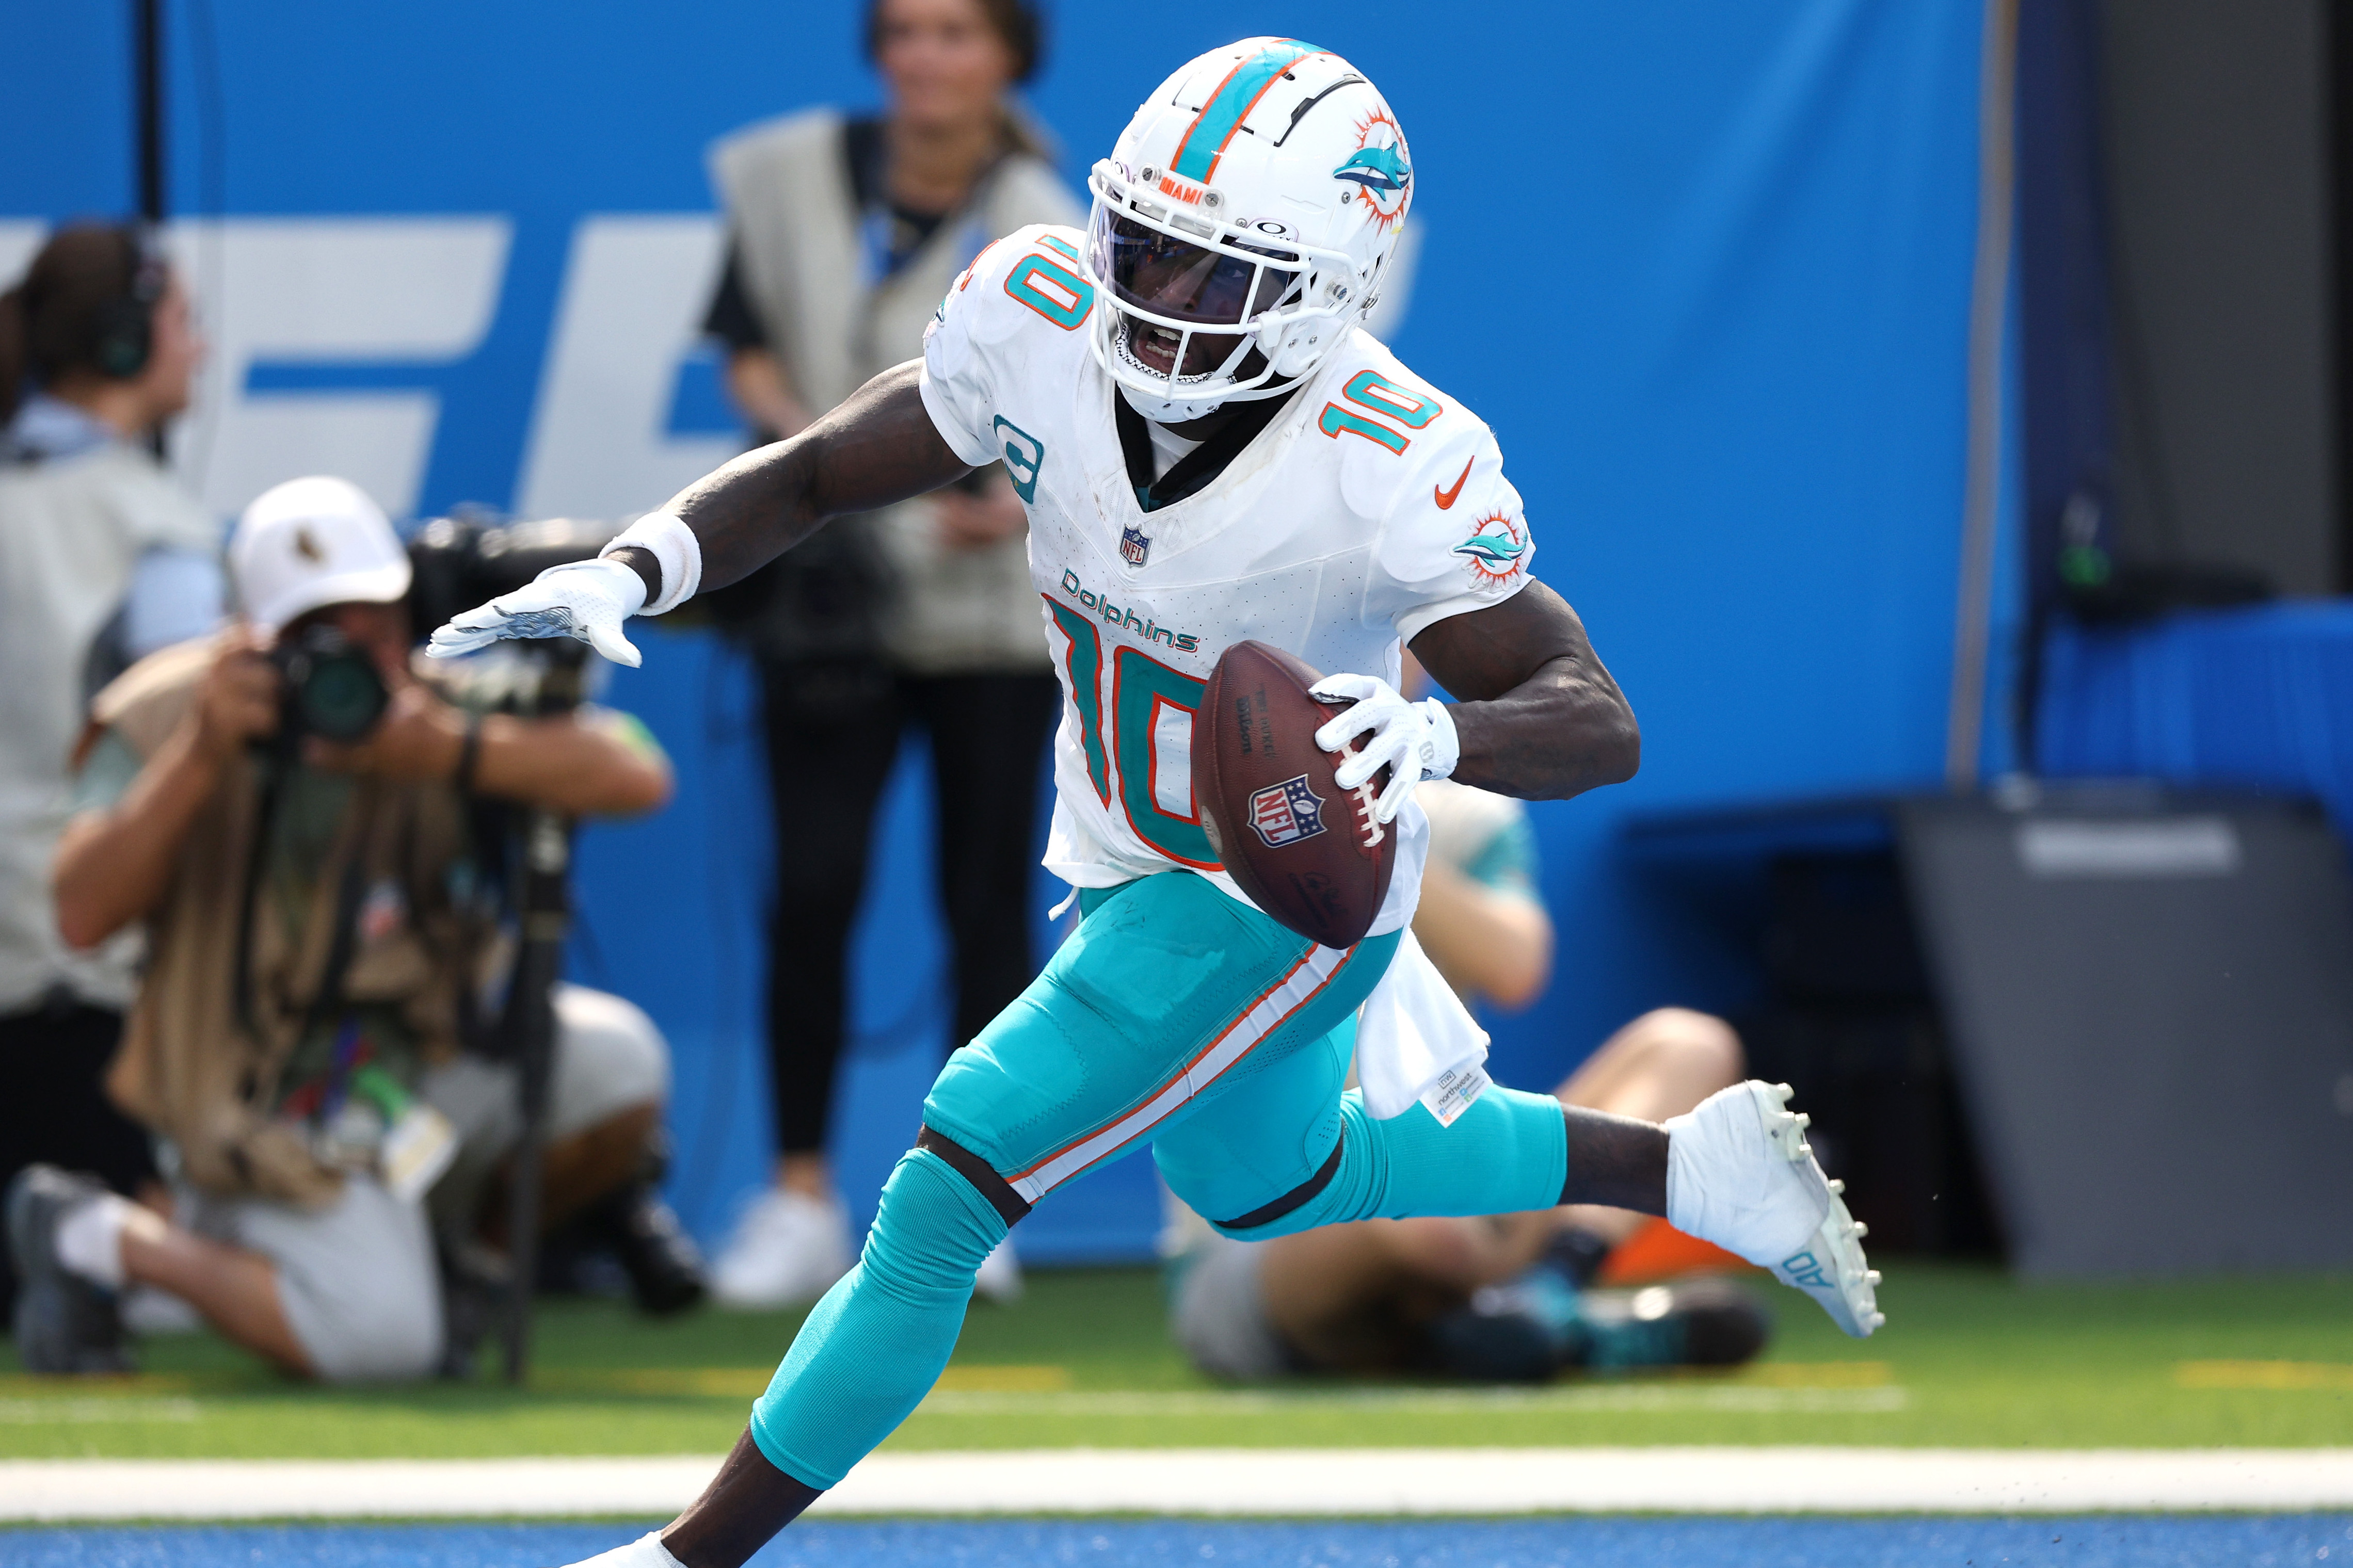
1376 168
1380 169
1497 549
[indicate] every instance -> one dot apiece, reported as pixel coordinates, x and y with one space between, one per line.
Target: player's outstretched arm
878 446
1536 714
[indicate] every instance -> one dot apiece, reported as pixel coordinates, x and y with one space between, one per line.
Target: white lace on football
1415 741
1367 800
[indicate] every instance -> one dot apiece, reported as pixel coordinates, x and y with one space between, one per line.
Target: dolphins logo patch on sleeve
1497 549
1381 170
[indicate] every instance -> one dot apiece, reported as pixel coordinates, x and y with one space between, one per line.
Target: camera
457 563
332 688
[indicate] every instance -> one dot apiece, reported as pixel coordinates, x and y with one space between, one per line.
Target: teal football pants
1174 1015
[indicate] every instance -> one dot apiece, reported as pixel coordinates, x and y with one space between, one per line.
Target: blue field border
2102 1541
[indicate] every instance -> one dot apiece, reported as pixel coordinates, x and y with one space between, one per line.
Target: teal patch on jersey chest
1023 455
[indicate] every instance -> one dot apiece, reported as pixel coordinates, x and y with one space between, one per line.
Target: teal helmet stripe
1214 126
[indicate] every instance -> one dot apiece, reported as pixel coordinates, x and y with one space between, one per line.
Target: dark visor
1186 282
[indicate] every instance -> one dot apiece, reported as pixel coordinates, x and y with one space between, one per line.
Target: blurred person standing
322 926
844 234
103 557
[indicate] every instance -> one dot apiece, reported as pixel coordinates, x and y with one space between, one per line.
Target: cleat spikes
1790 1216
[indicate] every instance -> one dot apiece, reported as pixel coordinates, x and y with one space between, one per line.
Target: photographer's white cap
314 542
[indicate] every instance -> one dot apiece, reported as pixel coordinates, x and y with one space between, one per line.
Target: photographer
103 556
320 926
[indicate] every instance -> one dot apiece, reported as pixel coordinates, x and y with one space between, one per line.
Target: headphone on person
123 330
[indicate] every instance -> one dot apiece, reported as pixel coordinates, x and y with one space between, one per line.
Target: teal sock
880 1339
1506 1153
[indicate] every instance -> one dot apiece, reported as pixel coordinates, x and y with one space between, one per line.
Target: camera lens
332 690
343 697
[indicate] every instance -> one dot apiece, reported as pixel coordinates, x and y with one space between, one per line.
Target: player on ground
1209 450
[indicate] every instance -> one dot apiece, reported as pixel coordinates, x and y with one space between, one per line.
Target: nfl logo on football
1132 546
1287 813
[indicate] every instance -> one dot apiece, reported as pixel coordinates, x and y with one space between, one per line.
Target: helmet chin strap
1161 410
1184 410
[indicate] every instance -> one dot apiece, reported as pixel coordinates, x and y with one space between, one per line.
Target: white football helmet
1255 197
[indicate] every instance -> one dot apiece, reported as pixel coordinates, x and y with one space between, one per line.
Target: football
1306 851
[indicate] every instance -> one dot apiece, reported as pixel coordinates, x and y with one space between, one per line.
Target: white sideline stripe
1647 1397
1236 1482
1266 1016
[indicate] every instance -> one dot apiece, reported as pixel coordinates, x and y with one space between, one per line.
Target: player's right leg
1736 1171
1380 1294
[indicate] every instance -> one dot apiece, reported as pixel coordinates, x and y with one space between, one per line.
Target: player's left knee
610 1058
1699 1043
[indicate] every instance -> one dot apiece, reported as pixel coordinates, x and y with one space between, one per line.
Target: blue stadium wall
1703 264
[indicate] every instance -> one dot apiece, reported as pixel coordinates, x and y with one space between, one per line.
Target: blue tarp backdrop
1703 264
2258 698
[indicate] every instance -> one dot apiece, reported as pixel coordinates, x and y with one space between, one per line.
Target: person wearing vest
844 235
103 556
321 932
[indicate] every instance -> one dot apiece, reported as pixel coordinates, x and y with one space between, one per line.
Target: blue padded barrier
2258 698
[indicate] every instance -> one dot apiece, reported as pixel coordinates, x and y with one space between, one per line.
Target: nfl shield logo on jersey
1132 546
1287 813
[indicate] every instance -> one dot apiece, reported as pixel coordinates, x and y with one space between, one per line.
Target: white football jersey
1371 506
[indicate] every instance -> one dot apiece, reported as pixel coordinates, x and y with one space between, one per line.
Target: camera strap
351 888
257 855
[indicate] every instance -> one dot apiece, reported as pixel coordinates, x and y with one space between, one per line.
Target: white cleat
646 1552
1741 1174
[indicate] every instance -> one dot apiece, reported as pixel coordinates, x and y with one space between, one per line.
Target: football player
1209 449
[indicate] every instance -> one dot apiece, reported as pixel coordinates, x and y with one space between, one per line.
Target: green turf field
1969 1358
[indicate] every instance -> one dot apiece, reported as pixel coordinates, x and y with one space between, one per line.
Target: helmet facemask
1192 295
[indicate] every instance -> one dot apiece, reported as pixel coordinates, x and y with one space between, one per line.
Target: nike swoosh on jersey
1446 498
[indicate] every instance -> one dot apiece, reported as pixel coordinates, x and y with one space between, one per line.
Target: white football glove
1415 741
584 599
